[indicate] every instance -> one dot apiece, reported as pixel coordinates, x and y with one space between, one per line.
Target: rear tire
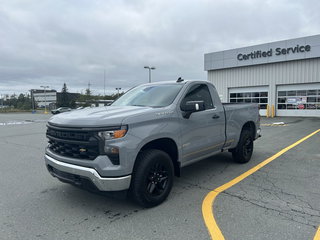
243 152
152 178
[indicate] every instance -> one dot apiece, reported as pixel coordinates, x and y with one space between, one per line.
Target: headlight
113 134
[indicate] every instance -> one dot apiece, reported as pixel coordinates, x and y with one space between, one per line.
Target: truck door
202 133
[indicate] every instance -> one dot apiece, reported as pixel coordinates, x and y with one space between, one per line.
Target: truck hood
98 116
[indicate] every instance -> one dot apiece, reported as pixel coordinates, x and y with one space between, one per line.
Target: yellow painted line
317 236
207 204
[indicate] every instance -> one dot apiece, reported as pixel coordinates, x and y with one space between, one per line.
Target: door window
199 92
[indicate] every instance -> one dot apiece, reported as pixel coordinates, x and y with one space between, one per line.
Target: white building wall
42 99
271 75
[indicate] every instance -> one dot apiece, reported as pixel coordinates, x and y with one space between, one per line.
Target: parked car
60 110
146 136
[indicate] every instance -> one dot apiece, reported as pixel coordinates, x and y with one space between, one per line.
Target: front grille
74 143
69 135
81 151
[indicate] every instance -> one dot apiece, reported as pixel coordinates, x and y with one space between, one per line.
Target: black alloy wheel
243 152
152 178
157 179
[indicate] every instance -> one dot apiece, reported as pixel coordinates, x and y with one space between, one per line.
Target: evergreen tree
64 102
88 92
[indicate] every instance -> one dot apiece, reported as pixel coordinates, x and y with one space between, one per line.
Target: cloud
75 41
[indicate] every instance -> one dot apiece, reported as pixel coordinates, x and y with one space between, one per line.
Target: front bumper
78 172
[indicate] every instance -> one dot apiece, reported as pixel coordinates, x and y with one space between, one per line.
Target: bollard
272 111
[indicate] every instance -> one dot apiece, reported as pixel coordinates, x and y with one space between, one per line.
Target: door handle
215 116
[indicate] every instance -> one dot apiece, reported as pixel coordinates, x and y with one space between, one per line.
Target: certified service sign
277 51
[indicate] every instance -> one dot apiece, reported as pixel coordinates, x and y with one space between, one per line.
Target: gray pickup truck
140 142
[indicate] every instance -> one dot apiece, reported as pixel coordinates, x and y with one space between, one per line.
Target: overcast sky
51 42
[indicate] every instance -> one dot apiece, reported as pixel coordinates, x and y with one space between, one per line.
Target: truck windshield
150 96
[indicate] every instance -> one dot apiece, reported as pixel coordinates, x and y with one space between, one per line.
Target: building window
250 97
299 100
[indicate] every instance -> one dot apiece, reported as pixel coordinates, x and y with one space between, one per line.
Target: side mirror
191 106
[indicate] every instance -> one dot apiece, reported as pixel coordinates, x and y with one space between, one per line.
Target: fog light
111 150
113 154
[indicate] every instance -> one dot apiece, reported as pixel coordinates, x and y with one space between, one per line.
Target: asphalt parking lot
279 201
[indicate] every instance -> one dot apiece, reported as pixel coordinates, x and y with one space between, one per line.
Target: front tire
243 152
152 178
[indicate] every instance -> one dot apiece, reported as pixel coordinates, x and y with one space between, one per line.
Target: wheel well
170 147
251 127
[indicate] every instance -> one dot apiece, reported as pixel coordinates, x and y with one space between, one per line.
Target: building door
298 100
259 95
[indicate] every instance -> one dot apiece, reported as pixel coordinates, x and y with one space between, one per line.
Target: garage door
251 95
298 100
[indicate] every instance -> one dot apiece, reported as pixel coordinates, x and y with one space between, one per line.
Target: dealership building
282 76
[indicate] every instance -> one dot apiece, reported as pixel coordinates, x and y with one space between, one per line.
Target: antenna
104 82
180 79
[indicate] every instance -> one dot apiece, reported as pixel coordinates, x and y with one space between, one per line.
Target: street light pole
150 68
118 89
45 98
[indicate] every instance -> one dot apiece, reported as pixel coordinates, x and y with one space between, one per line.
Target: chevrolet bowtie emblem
82 150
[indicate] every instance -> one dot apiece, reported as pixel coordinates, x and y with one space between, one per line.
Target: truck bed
236 115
